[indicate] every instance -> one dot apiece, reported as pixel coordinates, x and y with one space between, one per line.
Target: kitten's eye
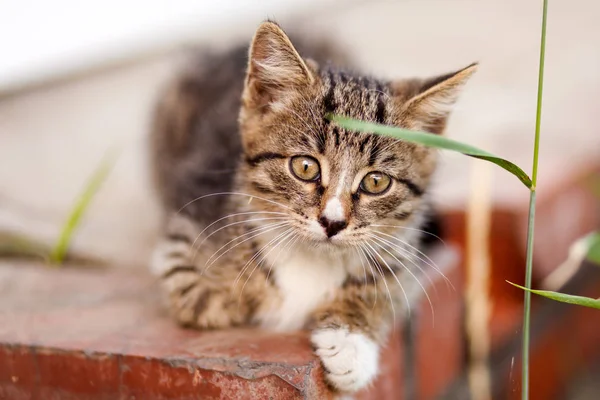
305 168
375 183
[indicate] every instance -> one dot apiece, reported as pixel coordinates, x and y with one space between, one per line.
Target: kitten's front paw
350 360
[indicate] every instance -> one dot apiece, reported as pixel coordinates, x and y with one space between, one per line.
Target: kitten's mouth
319 236
333 242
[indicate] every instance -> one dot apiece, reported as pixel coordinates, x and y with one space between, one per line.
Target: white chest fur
305 279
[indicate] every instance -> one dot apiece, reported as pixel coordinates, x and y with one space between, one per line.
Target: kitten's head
334 185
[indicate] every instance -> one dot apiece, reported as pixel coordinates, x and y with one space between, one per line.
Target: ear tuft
430 107
274 66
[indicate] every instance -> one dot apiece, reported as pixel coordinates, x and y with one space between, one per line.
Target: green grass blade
59 251
431 140
527 296
591 243
531 224
564 298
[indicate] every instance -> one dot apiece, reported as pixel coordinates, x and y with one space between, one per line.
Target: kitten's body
249 241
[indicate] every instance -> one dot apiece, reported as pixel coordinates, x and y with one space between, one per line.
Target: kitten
284 220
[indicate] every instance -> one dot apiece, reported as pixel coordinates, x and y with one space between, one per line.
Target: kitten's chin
322 242
329 246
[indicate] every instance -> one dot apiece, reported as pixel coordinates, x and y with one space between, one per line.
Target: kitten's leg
195 299
347 334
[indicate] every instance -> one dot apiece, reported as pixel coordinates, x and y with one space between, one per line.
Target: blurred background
79 78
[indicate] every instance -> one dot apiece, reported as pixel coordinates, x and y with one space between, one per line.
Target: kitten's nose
332 228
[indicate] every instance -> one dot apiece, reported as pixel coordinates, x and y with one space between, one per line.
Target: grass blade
591 244
564 298
531 223
586 247
431 140
59 251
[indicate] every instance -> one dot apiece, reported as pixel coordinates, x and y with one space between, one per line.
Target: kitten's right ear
428 103
274 68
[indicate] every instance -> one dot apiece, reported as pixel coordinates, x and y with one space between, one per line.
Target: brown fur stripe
178 237
266 156
201 303
328 101
178 269
262 188
416 190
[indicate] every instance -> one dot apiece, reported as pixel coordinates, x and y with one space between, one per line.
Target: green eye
375 183
305 168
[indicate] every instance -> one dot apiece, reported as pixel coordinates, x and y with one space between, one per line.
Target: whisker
364 286
255 256
410 272
279 241
234 194
404 253
233 224
362 250
288 245
387 147
380 270
414 229
312 111
320 137
392 143
303 121
197 248
251 231
379 91
234 215
266 230
407 256
393 274
427 259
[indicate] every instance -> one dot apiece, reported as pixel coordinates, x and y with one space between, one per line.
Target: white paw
351 360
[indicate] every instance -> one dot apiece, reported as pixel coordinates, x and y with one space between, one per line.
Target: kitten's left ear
274 68
430 103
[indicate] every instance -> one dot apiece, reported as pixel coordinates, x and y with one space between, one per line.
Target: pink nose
332 228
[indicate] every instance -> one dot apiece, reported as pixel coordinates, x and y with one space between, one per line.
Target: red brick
165 379
75 375
102 335
17 372
439 336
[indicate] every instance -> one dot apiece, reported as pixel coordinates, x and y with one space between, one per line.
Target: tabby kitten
285 220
